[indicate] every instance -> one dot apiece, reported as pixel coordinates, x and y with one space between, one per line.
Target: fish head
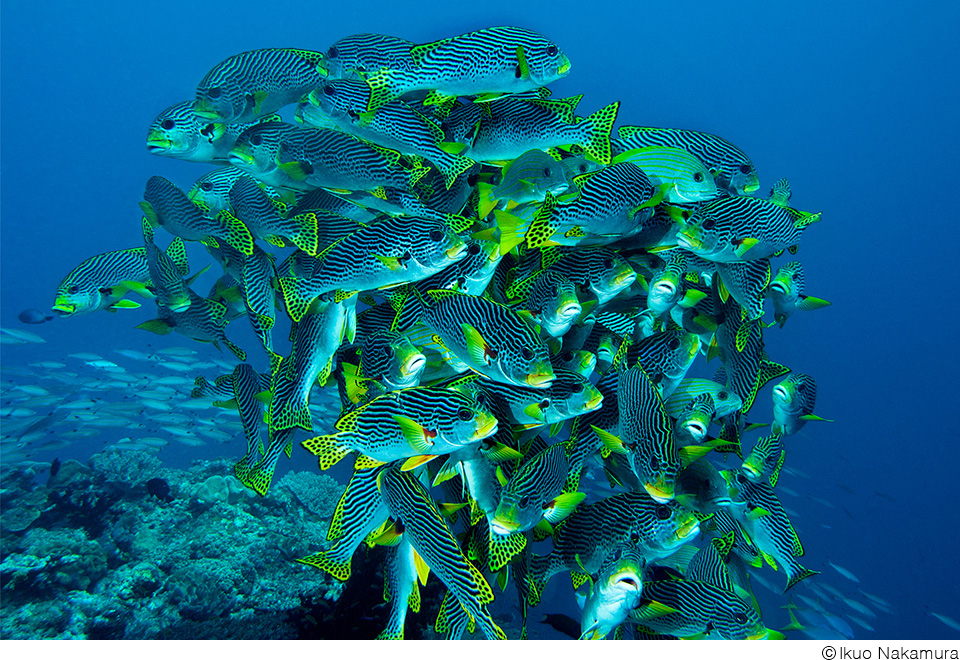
702 233
726 402
696 185
220 97
555 296
573 394
76 297
612 274
734 619
435 245
517 511
664 292
257 148
583 362
211 192
175 132
695 421
740 178
534 368
544 59
342 99
787 284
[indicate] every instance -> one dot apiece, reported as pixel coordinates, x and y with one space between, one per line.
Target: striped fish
646 435
793 400
416 423
694 608
471 274
493 61
178 133
359 512
668 287
786 290
694 420
571 395
613 204
316 338
552 300
687 177
164 204
211 192
526 178
515 125
257 150
733 229
731 168
395 125
747 283
389 358
700 487
512 403
324 158
203 320
400 587
259 296
167 270
732 539
596 270
102 281
666 356
489 338
767 523
256 83
725 400
262 218
765 459
585 540
359 55
614 593
416 516
390 252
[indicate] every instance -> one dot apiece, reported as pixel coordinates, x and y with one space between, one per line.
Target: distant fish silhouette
160 489
34 316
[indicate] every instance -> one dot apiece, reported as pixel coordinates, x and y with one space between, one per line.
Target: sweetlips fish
793 400
526 178
614 593
786 291
359 55
178 133
102 281
493 62
732 169
687 178
250 85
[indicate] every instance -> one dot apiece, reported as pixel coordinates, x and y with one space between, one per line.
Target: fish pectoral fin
416 461
477 346
423 571
393 263
814 418
653 609
562 506
807 303
156 326
125 304
744 245
418 437
610 442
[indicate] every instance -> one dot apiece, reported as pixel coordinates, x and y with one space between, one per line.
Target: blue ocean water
854 102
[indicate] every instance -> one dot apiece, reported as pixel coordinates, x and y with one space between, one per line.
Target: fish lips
540 379
63 308
659 490
502 527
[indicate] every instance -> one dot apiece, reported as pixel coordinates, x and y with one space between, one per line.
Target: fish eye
517 73
473 249
552 51
617 555
214 93
166 124
741 479
583 168
656 378
698 176
577 388
745 168
333 52
566 356
206 185
73 289
709 223
722 395
256 140
554 291
461 281
524 501
547 171
685 215
674 344
482 399
740 617
390 351
473 179
634 537
654 464
329 90
663 512
801 386
436 235
526 353
463 414
608 263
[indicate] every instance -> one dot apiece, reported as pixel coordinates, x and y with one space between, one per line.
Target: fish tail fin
286 410
537 577
235 233
305 235
336 568
236 350
329 449
201 387
597 140
541 230
297 296
512 230
800 573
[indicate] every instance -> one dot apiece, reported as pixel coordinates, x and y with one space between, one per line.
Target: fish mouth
751 187
659 491
156 142
625 278
665 288
779 287
780 392
204 110
689 241
569 310
749 467
486 426
696 429
502 527
64 308
240 158
688 529
413 365
760 635
628 581
456 250
540 379
594 403
564 67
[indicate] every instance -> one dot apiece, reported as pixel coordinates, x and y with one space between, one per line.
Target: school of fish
506 298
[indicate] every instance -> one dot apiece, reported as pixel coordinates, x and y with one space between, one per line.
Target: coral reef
96 554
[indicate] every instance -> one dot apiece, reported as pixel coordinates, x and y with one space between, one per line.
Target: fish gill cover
500 300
